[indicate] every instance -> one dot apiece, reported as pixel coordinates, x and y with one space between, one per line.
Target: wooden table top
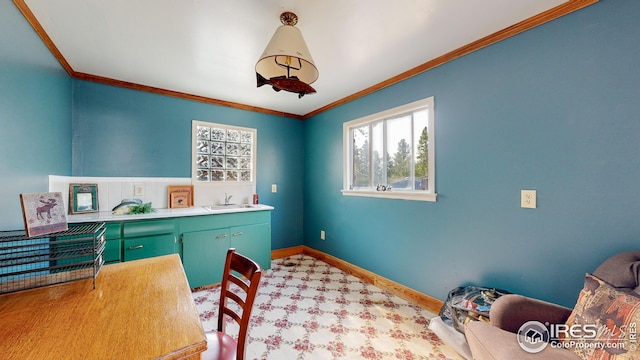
140 309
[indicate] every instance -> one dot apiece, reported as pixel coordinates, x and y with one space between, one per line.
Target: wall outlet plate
528 199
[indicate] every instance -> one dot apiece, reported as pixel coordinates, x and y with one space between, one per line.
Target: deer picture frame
43 213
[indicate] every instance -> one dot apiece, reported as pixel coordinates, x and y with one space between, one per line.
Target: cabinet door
253 241
113 251
149 246
113 248
203 256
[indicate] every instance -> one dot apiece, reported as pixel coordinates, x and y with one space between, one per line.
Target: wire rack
30 262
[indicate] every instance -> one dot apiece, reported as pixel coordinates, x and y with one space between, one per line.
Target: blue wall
553 109
122 132
35 115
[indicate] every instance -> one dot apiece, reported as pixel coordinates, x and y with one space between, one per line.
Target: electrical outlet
322 235
274 188
138 190
528 199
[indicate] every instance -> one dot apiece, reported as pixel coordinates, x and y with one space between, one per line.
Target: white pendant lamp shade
287 55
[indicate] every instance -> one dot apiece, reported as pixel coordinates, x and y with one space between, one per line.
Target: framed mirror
83 198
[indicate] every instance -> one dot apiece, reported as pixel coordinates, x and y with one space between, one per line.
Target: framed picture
43 213
180 196
83 198
179 199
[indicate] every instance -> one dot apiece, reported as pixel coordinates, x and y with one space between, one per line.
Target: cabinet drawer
146 228
112 231
148 246
113 251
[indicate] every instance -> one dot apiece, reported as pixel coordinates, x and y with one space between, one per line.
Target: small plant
141 209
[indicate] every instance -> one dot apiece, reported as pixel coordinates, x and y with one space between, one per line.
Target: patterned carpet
306 309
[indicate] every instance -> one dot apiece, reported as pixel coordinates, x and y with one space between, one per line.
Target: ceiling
209 48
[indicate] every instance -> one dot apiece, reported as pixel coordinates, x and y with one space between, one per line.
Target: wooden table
139 310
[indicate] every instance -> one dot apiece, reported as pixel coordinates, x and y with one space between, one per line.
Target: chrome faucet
227 198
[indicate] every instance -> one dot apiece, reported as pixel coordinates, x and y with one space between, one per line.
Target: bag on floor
469 303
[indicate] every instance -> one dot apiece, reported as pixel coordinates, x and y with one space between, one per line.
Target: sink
230 206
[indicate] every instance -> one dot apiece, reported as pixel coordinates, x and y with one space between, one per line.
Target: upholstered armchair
610 296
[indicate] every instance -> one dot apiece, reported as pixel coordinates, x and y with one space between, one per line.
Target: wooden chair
220 345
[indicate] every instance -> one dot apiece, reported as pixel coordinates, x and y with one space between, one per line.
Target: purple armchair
498 340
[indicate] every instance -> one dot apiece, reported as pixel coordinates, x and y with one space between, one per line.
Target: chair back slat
237 299
232 314
239 282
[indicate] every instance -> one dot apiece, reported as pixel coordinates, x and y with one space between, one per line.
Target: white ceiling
209 47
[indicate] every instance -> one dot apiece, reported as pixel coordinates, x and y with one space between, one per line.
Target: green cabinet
253 241
203 255
113 247
206 239
203 245
143 239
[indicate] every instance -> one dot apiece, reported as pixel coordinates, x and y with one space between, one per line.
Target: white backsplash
213 193
112 190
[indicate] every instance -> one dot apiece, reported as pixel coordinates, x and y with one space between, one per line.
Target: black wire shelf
30 262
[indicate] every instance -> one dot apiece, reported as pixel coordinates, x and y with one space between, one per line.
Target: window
391 154
222 153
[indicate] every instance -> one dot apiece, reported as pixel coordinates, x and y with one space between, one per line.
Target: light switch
138 190
274 188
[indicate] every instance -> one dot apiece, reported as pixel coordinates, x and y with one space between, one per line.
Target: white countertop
104 216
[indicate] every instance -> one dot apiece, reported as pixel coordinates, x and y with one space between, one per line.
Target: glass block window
223 153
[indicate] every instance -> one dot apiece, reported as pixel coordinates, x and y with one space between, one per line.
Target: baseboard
282 253
401 291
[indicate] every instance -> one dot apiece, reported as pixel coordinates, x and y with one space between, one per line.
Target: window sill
404 195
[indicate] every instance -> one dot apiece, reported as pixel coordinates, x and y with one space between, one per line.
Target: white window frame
419 195
194 168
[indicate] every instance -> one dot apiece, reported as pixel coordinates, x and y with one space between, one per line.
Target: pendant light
286 62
